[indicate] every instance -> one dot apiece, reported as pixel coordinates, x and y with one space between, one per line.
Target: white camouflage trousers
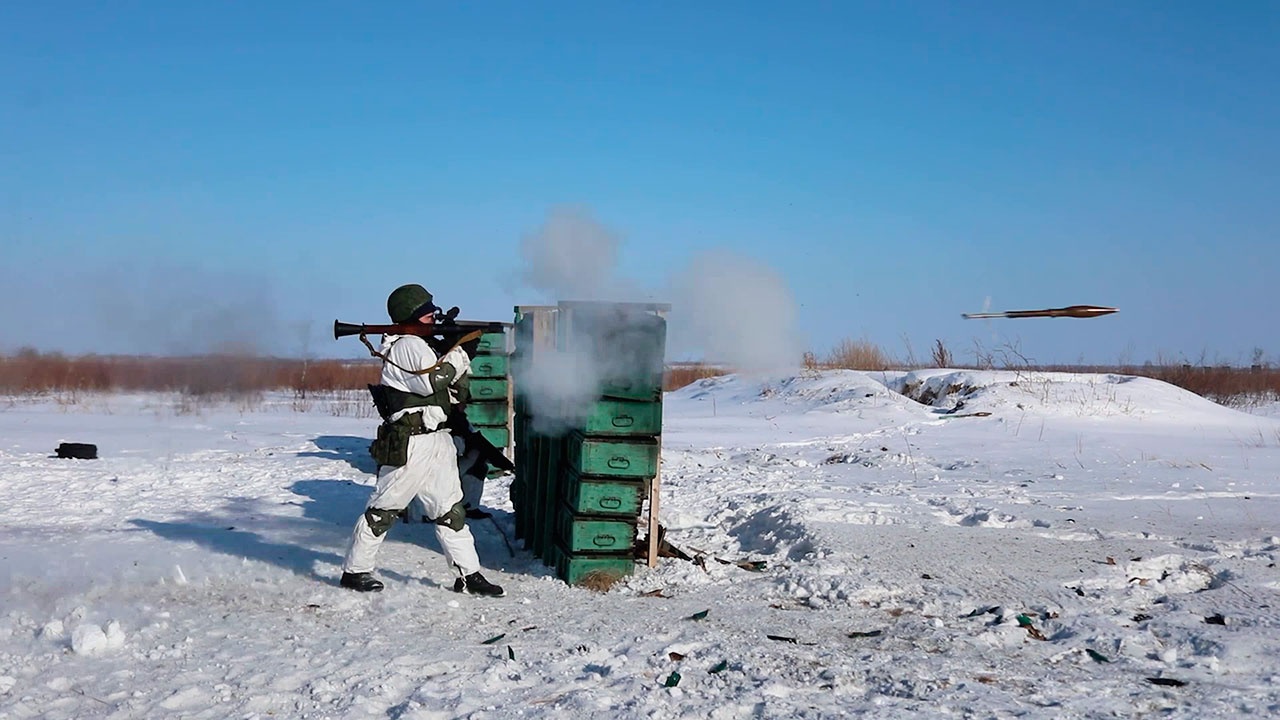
430 476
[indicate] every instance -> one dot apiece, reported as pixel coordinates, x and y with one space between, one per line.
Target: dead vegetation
29 372
857 355
678 375
599 580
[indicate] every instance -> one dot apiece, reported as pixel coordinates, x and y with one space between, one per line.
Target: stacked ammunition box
534 337
490 406
587 456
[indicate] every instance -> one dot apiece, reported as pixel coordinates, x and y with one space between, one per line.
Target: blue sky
172 172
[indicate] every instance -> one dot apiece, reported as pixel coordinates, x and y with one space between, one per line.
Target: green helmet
409 302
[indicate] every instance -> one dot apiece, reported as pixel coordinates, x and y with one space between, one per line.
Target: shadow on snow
310 546
350 449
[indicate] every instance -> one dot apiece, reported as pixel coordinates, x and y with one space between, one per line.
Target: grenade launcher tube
449 329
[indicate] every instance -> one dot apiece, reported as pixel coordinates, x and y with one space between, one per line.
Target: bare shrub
857 355
941 355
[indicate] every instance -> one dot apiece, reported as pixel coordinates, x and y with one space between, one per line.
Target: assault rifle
473 438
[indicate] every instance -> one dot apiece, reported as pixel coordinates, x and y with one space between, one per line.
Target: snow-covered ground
934 544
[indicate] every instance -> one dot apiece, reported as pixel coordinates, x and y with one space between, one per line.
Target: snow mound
829 390
943 391
1053 393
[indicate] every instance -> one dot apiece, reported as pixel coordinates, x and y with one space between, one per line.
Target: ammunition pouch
391 446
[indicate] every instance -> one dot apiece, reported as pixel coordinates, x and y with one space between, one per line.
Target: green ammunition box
488 413
489 366
612 457
592 568
588 533
647 386
492 344
611 416
488 389
601 496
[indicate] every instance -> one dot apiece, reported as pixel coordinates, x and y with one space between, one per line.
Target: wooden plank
652 558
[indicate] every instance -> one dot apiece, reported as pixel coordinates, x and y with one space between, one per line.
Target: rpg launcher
447 326
445 333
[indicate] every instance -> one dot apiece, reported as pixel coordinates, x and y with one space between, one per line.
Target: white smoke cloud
560 386
725 308
734 311
572 257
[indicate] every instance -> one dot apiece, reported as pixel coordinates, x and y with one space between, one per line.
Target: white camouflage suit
431 473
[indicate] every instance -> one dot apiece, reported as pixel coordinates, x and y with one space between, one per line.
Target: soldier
415 451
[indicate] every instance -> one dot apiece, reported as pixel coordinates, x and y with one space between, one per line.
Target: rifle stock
491 453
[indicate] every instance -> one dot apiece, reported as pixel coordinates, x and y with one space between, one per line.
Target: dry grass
599 580
941 355
856 355
1222 384
32 373
678 375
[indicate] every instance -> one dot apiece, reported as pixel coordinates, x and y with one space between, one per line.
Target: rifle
490 453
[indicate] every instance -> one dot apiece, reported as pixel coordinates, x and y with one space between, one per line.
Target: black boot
364 582
478 514
475 584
